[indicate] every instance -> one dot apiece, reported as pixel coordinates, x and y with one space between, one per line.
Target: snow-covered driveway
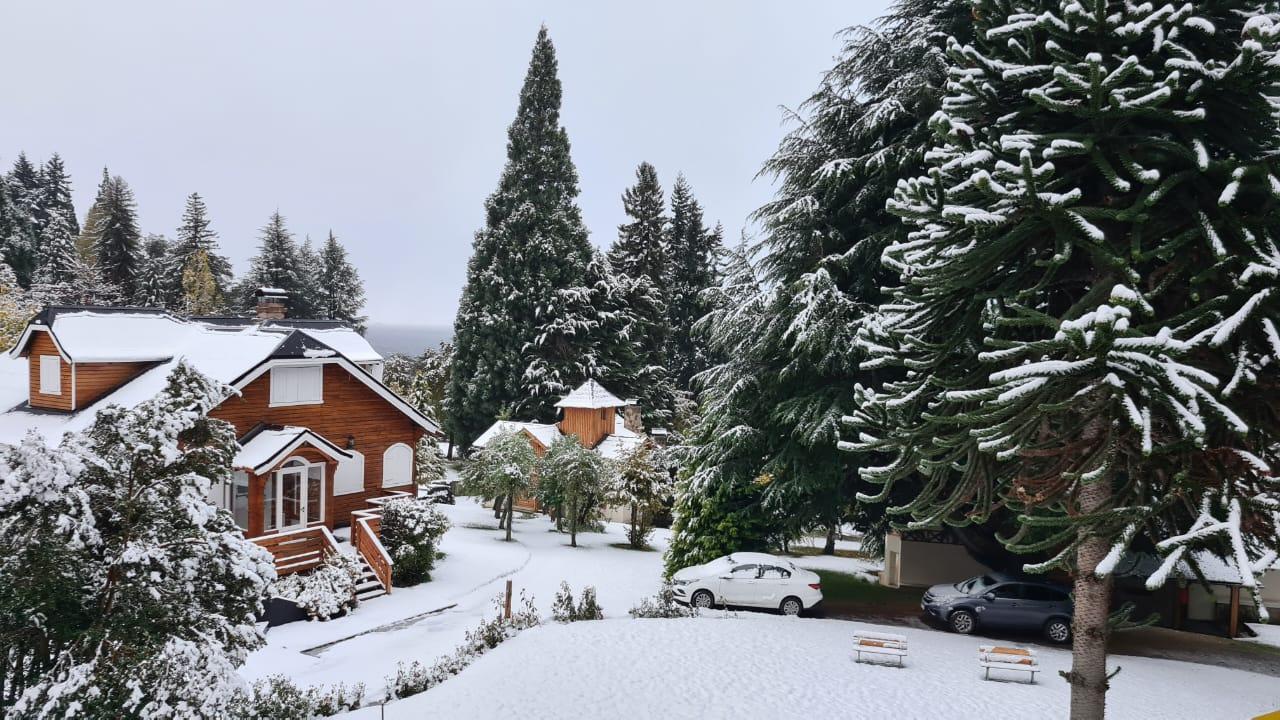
761 666
474 571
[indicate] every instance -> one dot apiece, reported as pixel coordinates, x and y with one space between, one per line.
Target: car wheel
1057 630
963 622
703 599
791 606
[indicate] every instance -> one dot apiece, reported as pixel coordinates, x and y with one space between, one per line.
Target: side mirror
989 597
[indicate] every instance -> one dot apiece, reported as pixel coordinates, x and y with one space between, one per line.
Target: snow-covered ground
1267 634
474 571
761 666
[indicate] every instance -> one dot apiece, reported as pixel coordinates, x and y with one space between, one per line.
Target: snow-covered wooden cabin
322 438
600 420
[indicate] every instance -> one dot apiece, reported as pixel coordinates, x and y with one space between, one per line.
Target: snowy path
760 666
473 572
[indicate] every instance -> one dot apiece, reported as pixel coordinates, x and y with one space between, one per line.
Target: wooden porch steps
369 586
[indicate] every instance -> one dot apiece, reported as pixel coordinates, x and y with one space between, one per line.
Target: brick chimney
271 303
631 417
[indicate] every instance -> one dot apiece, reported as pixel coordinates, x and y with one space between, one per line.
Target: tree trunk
635 537
830 547
573 526
509 514
1088 676
499 508
449 454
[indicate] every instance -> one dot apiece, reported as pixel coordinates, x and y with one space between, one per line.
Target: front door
294 496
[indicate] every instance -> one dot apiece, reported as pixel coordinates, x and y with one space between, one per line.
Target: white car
749 580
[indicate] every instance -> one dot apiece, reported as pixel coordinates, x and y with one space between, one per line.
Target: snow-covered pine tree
23 185
640 253
200 294
276 265
17 241
783 372
196 234
533 244
118 238
1086 321
307 304
691 259
57 255
341 290
117 576
157 266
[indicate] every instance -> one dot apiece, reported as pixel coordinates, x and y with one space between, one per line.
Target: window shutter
50 375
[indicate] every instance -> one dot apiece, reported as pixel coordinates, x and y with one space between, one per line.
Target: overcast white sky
387 121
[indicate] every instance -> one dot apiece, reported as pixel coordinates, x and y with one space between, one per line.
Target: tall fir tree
533 244
1086 321
306 302
118 241
640 253
691 270
17 241
57 258
157 265
24 189
276 265
196 234
341 290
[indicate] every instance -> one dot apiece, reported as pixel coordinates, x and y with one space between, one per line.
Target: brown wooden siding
591 426
42 344
349 408
95 380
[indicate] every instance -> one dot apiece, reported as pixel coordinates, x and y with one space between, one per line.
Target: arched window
397 466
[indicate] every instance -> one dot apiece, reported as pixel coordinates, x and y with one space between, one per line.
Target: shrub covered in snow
563 608
416 678
325 592
277 698
411 530
641 484
117 577
662 605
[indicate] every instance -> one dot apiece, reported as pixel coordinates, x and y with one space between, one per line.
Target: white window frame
50 375
284 396
295 464
385 474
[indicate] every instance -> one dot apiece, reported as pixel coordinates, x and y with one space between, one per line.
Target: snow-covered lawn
474 571
761 666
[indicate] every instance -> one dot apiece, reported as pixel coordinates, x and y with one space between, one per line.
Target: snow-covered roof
546 434
263 448
590 395
613 447
1214 568
228 350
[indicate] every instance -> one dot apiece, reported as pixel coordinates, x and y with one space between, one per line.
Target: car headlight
679 582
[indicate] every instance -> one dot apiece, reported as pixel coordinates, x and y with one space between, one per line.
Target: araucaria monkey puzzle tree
1087 314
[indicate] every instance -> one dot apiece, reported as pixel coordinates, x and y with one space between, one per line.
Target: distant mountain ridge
390 339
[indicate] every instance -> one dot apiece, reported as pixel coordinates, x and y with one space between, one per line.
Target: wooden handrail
298 549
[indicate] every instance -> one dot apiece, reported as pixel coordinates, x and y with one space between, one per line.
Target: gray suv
1005 602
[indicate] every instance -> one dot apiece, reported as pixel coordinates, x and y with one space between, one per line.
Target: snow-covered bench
872 643
995 657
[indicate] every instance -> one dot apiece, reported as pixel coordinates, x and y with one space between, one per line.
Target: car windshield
974 586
